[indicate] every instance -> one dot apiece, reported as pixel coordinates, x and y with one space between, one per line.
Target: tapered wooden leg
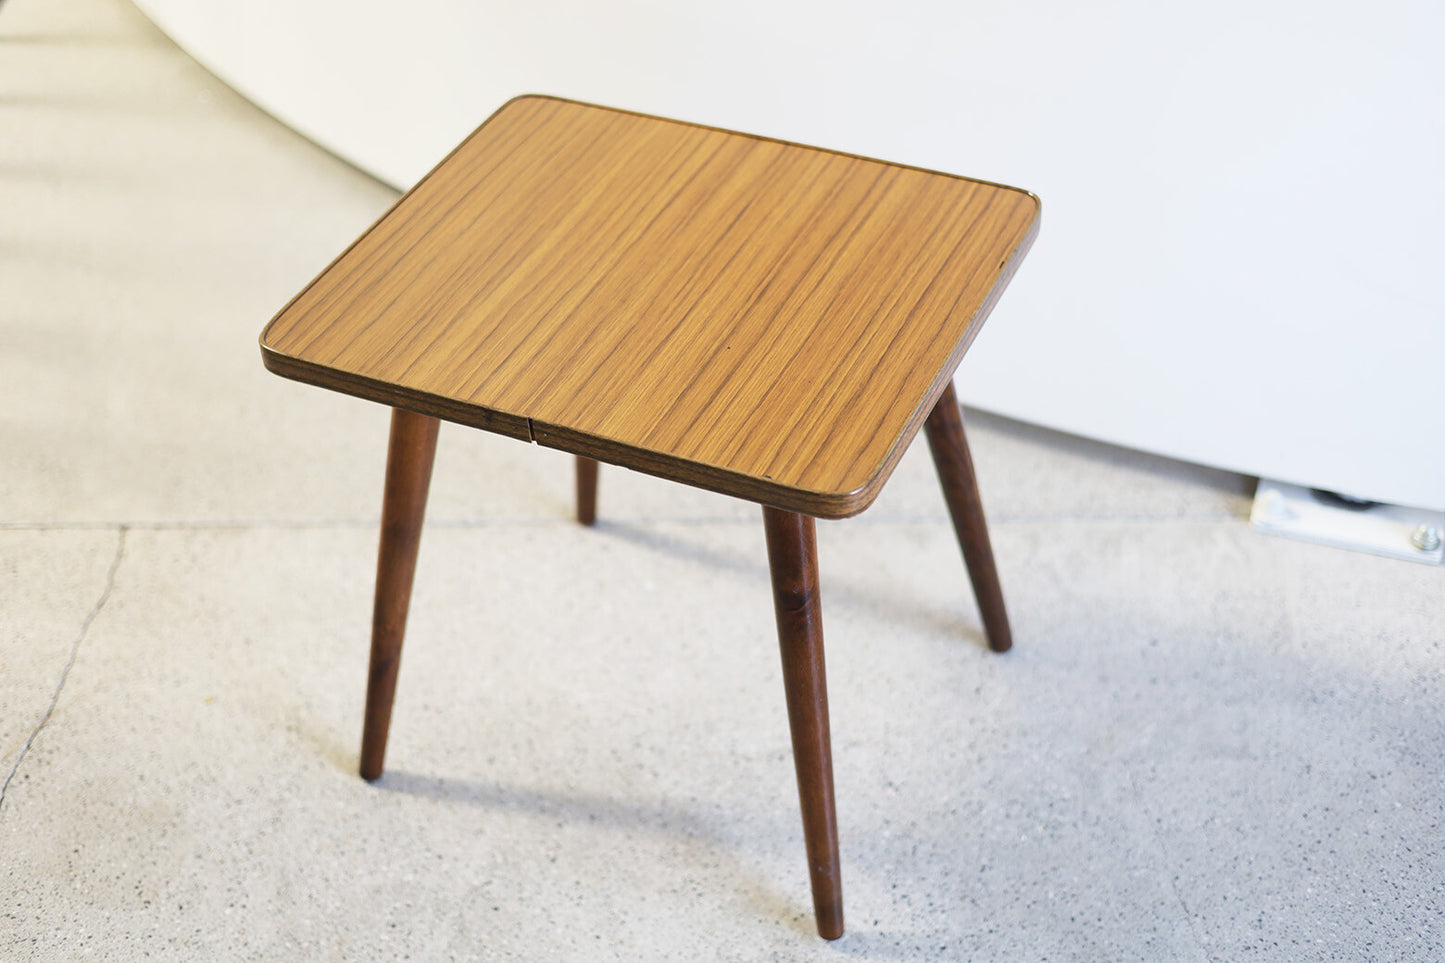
793 558
960 489
408 475
586 490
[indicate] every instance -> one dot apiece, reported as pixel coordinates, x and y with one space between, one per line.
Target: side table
741 314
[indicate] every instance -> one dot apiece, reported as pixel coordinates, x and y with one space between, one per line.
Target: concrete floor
1206 745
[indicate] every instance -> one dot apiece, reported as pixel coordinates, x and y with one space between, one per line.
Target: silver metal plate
1391 530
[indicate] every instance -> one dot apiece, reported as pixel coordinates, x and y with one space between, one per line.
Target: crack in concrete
74 651
1173 880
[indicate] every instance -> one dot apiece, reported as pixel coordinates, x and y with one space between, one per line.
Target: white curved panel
1242 201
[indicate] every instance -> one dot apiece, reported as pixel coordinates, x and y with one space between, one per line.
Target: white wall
1243 202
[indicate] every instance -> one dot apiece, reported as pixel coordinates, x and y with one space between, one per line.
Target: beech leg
586 490
408 475
793 560
960 489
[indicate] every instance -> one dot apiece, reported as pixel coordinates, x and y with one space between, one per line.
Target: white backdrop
1243 202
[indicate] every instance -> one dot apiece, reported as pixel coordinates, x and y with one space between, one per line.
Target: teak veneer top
750 316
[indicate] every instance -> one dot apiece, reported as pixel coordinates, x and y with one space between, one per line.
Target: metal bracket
1395 531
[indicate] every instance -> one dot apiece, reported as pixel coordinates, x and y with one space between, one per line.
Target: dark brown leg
586 490
408 475
960 489
793 558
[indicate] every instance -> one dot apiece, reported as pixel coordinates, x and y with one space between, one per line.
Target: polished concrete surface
1206 745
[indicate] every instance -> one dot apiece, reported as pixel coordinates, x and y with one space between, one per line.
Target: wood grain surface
755 317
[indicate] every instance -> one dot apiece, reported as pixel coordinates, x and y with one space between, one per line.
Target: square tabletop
742 314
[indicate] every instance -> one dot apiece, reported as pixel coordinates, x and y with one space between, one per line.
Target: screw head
1425 537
